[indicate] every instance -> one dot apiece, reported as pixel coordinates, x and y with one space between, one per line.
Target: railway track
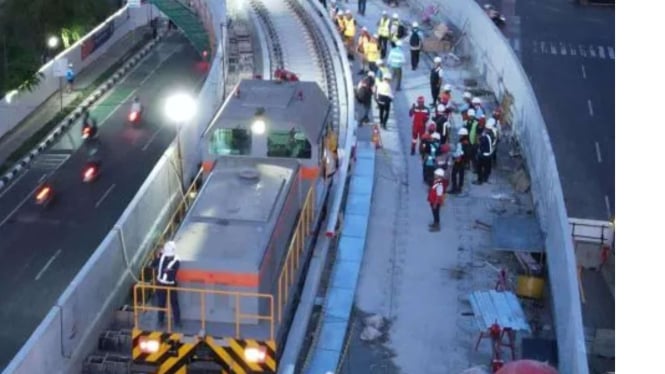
296 43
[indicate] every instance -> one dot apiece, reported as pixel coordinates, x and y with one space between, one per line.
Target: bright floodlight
180 108
259 127
52 42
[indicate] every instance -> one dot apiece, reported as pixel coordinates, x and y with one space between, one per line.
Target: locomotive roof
285 105
232 219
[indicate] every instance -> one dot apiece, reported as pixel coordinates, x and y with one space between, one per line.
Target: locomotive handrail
140 288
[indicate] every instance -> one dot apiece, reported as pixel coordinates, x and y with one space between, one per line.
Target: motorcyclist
88 121
136 105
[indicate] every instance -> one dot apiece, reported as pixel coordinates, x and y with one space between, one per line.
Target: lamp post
180 108
52 43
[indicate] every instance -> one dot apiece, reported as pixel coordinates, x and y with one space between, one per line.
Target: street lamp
180 108
53 42
259 125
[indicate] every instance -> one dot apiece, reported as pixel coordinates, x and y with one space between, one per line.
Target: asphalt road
41 250
567 51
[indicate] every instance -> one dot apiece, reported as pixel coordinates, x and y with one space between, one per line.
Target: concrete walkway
15 138
420 280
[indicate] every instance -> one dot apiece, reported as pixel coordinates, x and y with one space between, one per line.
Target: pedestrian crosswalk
50 161
540 47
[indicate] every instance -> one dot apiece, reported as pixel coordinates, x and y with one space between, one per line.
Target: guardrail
16 106
503 73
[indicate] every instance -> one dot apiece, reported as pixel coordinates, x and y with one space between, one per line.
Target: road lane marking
553 49
610 53
583 72
563 49
590 107
542 48
101 199
601 52
592 51
600 158
608 207
23 201
582 51
50 261
152 138
573 52
6 189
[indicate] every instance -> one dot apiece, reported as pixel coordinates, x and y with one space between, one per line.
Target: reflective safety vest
383 71
167 268
383 89
384 27
371 51
340 23
435 195
349 27
362 42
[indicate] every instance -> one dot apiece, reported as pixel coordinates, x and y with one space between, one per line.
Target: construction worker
394 29
382 69
443 161
433 149
339 21
460 160
334 11
166 265
472 127
419 113
442 124
384 33
494 133
371 51
362 6
364 93
446 95
436 80
477 105
465 105
396 60
435 198
364 38
415 45
384 97
349 33
484 163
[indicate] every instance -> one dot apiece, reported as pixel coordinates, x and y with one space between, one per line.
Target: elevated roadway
41 250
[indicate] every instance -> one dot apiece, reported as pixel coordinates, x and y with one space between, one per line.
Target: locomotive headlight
149 345
255 355
259 127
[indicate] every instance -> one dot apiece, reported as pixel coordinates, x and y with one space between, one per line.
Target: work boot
435 227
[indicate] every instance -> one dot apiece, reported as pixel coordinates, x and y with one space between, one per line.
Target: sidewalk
419 280
32 124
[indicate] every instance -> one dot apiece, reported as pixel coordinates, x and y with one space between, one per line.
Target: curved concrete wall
15 107
503 73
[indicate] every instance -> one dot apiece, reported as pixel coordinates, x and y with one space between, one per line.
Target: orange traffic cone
376 137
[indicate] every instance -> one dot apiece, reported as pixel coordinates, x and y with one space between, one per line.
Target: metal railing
298 244
140 288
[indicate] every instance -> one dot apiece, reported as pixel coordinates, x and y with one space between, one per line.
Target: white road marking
553 49
608 207
101 199
601 52
22 201
583 72
573 52
610 52
50 261
563 49
4 191
582 51
152 138
600 158
592 51
542 48
590 107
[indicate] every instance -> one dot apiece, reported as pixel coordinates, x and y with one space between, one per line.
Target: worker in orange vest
435 198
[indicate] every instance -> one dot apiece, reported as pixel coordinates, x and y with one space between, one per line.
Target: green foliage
27 24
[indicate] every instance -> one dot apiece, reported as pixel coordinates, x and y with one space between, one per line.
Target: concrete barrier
16 106
503 73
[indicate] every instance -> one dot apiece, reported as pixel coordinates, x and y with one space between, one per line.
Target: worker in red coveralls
420 114
435 198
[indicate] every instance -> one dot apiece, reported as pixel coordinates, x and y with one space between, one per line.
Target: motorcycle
135 114
44 194
91 171
88 132
496 17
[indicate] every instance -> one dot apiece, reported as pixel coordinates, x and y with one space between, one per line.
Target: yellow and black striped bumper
174 355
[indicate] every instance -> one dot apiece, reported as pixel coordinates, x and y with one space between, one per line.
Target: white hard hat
447 87
387 77
437 60
440 108
490 123
471 113
395 15
339 12
467 95
379 62
475 100
384 13
398 43
370 74
348 11
375 36
439 173
463 132
436 136
364 28
415 24
169 248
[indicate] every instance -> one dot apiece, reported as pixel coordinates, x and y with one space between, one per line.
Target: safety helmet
431 127
471 113
445 148
439 173
414 25
340 13
384 13
436 136
379 62
71 65
421 99
395 16
475 100
437 60
463 132
348 12
169 248
491 123
387 77
487 6
371 74
398 43
136 99
363 28
375 36
440 108
467 95
447 88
